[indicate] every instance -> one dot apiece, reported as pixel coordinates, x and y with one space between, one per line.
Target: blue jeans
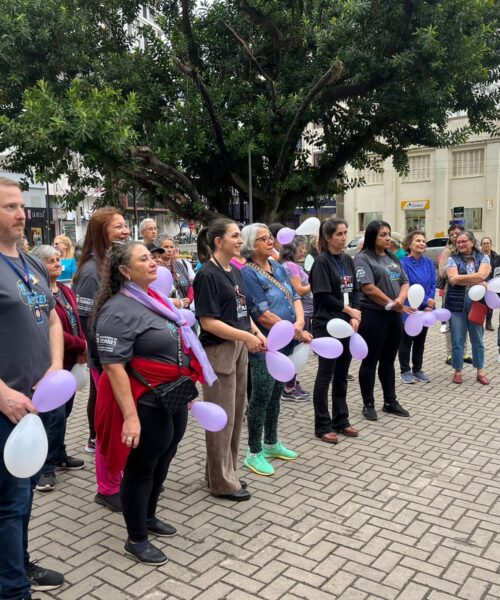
54 422
459 327
16 496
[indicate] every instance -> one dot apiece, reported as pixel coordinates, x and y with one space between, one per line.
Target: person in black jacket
487 249
335 295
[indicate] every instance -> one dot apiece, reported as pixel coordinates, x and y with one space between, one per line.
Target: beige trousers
229 361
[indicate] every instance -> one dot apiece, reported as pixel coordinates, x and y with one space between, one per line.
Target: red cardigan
74 345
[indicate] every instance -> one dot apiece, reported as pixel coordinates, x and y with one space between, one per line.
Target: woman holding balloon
143 342
336 295
384 287
227 334
420 270
466 267
270 298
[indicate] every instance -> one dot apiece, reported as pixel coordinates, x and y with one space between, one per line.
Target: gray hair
469 235
145 222
249 234
44 252
288 251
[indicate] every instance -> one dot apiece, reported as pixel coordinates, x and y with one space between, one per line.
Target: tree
178 116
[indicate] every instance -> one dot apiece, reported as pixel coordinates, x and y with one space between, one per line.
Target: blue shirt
69 269
421 271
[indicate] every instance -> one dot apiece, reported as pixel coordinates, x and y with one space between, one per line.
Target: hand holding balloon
26 447
15 405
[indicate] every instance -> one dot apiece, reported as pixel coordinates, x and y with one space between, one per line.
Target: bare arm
473 279
56 338
122 391
302 290
252 339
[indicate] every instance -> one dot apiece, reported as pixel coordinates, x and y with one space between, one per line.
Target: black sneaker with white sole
46 483
70 464
42 579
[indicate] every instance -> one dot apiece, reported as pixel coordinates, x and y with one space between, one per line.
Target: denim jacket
263 295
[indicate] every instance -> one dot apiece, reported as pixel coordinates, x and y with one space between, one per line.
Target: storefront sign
36 214
458 212
415 204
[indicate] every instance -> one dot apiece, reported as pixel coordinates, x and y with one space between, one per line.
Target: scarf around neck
161 305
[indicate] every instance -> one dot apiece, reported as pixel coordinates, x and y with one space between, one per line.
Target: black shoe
43 580
146 553
243 483
489 326
70 464
161 529
113 501
350 377
448 360
239 496
396 409
370 413
46 483
468 360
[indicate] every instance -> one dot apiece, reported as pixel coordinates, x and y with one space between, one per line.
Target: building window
472 219
371 177
368 217
468 163
419 168
317 158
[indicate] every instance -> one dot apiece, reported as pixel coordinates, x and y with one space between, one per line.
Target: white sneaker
498 360
442 329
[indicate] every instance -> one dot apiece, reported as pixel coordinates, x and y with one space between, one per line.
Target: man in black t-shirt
32 343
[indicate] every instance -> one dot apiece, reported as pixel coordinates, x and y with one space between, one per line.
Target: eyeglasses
265 238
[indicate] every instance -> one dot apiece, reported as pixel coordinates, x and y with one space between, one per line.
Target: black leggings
147 466
382 332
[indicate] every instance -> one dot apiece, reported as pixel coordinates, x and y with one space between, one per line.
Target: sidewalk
408 510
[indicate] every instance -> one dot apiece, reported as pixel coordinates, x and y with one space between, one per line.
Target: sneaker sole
390 412
44 588
44 489
161 534
70 468
258 472
280 456
89 450
370 418
145 562
108 506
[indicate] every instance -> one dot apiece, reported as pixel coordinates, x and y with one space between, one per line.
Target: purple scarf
170 312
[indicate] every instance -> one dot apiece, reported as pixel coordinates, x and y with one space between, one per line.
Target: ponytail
207 236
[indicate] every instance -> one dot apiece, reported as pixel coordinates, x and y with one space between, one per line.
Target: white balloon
477 292
300 356
308 263
416 295
26 447
309 226
494 285
338 328
81 374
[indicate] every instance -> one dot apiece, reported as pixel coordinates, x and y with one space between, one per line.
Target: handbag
477 313
170 396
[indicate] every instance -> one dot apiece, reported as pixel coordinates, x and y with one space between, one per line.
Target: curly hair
119 254
288 251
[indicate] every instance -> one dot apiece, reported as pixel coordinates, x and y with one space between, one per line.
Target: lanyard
24 276
340 266
226 273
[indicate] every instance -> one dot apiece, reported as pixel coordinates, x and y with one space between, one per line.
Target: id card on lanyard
26 278
343 277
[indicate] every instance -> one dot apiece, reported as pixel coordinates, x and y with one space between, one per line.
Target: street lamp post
250 191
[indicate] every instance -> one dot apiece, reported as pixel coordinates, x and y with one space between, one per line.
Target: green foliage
78 96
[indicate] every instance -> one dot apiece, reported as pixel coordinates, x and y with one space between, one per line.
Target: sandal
459 378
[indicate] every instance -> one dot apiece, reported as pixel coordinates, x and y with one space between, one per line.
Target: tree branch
194 55
246 48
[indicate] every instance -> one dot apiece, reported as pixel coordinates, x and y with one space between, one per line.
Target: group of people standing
145 356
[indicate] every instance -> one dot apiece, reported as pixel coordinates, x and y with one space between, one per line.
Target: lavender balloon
280 334
280 366
163 282
442 314
285 235
414 325
188 315
327 347
54 390
492 300
358 347
210 416
428 318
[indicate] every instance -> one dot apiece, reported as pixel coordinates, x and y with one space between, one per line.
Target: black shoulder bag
169 396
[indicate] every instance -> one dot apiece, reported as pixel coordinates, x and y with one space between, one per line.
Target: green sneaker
278 451
258 464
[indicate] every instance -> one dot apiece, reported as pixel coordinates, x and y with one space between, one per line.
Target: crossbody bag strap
270 277
144 381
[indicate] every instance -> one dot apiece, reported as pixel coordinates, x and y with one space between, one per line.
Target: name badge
241 304
346 299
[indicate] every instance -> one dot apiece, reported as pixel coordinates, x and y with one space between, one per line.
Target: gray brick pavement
409 510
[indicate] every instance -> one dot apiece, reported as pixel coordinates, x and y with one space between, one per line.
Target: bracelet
389 305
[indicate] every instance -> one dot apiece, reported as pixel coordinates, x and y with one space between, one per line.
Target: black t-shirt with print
220 294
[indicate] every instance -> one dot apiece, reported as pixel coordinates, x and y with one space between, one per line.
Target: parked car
434 248
351 246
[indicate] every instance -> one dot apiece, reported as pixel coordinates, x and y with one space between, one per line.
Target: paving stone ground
408 510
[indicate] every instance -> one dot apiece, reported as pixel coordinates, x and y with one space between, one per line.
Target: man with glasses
148 231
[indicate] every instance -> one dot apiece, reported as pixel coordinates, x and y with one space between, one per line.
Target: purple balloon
54 390
428 318
280 334
280 366
188 315
358 347
163 282
492 299
285 235
327 347
442 314
210 416
414 325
